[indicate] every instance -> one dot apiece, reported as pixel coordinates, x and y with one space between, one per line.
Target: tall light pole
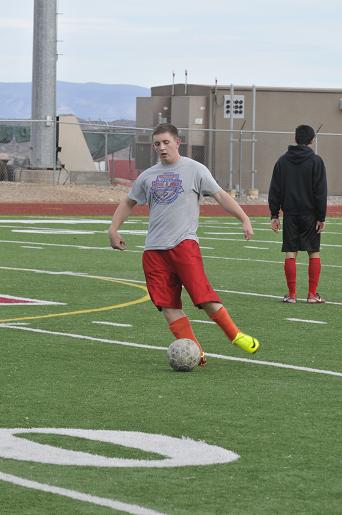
44 85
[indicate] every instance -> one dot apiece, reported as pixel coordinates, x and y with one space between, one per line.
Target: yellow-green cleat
246 342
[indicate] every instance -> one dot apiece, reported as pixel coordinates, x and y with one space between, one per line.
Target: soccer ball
183 355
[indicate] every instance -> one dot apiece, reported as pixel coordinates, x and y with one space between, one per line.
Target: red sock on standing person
314 272
291 275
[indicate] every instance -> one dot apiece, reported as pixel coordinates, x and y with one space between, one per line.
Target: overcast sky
263 42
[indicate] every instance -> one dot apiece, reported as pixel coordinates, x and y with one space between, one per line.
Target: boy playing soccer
172 256
299 188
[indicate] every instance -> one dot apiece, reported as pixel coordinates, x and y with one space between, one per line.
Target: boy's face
166 147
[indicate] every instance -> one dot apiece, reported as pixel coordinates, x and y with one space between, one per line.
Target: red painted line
107 209
6 300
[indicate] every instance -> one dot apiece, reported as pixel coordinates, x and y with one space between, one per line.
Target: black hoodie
299 184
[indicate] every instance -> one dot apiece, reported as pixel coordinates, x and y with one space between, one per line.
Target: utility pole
44 85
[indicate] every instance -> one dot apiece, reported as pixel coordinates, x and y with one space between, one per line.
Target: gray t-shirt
172 192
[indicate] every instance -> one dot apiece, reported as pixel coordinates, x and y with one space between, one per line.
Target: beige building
239 131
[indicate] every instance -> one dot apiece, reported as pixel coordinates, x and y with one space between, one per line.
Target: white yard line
305 321
80 274
66 272
154 347
57 245
203 321
271 261
78 496
259 241
66 221
116 324
108 248
254 294
237 233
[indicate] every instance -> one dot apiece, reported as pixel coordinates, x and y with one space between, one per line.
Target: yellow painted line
140 300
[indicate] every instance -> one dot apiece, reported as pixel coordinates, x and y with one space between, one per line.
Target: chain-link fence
240 160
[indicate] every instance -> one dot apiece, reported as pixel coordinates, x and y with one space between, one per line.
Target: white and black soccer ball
183 355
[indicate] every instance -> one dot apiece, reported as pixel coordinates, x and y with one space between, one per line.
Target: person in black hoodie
299 188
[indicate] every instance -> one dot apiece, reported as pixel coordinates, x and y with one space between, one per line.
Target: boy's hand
116 242
320 226
275 224
247 229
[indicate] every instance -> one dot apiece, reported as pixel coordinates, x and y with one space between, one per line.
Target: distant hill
88 100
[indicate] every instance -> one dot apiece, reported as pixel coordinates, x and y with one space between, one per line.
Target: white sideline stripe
63 221
79 496
80 274
253 294
75 274
206 223
77 221
223 233
20 323
224 258
49 272
85 247
59 221
261 241
111 323
203 321
154 347
81 247
306 321
137 232
53 231
83 337
56 245
238 239
255 228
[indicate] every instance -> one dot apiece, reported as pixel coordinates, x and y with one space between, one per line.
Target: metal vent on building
238 107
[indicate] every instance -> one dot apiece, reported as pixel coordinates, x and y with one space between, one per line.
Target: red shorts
166 271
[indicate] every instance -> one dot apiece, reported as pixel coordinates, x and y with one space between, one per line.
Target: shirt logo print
166 188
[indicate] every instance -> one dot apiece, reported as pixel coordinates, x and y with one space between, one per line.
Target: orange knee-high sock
182 328
222 318
314 271
290 274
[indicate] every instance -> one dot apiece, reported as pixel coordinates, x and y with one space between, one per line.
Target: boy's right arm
274 193
121 214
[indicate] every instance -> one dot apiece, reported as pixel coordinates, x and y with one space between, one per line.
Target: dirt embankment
18 192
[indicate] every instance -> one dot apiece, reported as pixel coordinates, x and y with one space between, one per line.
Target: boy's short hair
166 127
304 134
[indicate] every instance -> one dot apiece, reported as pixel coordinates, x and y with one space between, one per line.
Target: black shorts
299 233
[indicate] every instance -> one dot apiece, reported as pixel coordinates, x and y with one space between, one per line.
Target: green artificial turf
284 423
